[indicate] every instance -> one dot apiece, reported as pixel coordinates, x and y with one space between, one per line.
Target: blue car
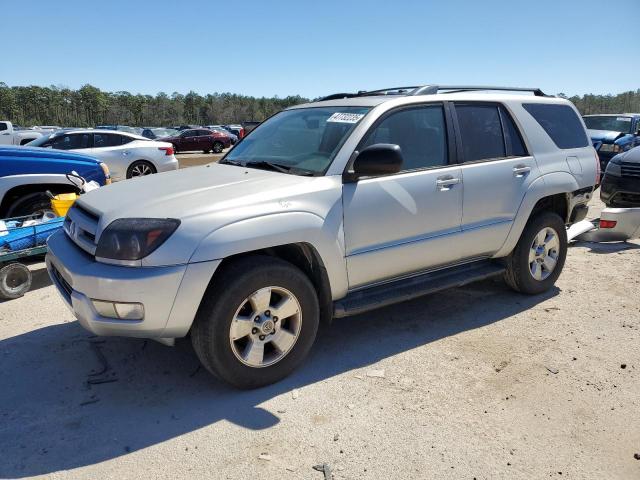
617 133
26 174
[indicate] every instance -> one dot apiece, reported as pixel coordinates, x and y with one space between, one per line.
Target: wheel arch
18 191
550 192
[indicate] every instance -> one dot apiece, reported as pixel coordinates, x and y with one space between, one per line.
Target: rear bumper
627 226
170 295
168 166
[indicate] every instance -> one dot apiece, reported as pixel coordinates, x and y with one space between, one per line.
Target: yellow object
62 203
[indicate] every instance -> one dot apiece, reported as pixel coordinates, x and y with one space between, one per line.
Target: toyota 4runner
330 209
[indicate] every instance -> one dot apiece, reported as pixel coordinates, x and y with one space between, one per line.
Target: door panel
400 224
493 192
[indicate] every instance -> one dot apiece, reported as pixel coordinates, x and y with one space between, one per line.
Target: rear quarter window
561 124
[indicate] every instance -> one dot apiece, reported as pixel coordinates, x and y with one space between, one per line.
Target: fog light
121 311
130 311
105 309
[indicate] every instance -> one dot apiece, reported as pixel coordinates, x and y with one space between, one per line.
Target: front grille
81 227
630 169
625 200
62 283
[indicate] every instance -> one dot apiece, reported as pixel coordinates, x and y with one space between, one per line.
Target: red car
199 139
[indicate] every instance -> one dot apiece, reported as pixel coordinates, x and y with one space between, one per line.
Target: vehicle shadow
607 247
70 400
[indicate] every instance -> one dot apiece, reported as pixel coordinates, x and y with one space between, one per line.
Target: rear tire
15 281
217 147
140 168
536 262
234 317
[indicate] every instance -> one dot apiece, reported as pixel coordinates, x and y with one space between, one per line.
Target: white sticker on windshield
345 117
623 119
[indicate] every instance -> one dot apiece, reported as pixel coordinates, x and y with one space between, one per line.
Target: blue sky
313 48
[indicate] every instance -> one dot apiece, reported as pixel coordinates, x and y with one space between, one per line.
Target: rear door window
102 140
512 137
561 124
481 132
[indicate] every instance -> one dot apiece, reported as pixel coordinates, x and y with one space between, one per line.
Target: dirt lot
472 383
193 159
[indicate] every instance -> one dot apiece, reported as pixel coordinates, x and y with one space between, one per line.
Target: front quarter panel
257 233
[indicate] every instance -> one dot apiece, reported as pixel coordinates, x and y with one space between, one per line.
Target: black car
621 184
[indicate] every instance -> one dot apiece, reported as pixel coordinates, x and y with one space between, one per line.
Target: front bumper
620 191
170 295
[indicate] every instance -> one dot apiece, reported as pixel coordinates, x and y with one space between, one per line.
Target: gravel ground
470 383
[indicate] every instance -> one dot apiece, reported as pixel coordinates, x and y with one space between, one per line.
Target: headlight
613 168
131 239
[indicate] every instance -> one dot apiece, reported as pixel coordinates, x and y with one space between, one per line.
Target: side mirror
375 160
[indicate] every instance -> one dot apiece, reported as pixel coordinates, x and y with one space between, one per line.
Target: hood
207 198
605 136
190 192
630 156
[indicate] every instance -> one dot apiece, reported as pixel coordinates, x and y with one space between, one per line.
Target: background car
237 130
618 133
154 133
200 139
27 173
221 129
621 183
127 155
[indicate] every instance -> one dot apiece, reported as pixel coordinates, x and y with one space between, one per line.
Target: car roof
99 131
613 115
375 100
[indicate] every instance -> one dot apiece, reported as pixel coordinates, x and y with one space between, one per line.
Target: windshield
304 139
615 124
164 132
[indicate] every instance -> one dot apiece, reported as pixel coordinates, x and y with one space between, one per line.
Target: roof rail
473 88
432 90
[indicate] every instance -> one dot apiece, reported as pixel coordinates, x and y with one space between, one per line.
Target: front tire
35 205
536 262
257 322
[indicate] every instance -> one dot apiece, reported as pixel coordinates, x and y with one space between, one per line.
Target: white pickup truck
14 135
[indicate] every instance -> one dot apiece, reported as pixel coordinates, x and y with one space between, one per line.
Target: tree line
89 106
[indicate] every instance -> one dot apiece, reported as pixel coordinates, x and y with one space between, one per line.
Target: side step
409 288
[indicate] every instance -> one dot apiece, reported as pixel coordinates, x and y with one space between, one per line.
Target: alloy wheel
543 254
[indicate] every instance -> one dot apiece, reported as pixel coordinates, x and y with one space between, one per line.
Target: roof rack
432 90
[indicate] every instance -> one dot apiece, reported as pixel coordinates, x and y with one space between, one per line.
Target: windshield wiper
272 166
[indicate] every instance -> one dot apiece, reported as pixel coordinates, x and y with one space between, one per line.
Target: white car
127 155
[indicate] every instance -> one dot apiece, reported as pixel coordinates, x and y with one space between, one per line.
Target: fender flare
544 186
10 182
278 229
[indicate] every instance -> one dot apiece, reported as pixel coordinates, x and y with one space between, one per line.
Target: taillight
167 150
607 223
241 133
107 175
598 169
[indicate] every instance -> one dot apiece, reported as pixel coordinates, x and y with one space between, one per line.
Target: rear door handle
521 170
445 183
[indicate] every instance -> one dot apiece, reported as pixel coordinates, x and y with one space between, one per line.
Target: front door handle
521 170
445 183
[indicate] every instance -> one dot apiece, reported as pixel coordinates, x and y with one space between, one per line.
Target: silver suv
330 209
